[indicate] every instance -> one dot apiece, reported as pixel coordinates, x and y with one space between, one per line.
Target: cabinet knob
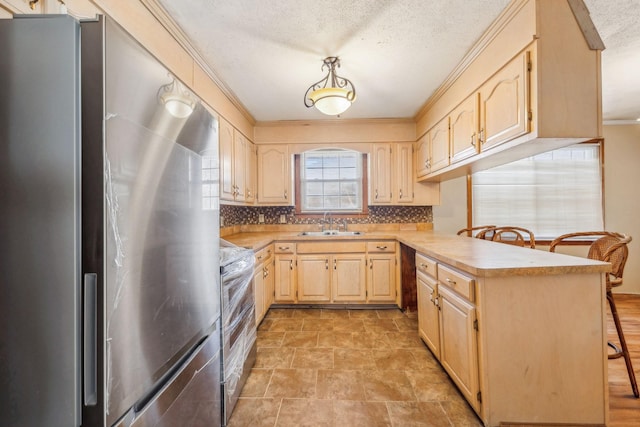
400 193
283 248
291 265
285 194
481 136
451 282
376 197
473 139
381 247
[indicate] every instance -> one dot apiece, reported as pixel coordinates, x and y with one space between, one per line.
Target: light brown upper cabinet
530 85
274 175
464 129
237 165
392 176
504 104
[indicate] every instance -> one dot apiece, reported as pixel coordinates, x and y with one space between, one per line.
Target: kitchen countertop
475 256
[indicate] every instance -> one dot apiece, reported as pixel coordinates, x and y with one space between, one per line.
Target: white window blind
550 194
331 180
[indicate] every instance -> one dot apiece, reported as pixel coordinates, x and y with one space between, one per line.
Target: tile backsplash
244 215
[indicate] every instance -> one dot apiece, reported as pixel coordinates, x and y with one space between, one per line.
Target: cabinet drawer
285 247
426 265
381 247
264 254
457 281
333 247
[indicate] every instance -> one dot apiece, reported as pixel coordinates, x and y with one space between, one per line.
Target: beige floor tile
298 383
334 314
383 385
363 314
348 325
285 325
405 340
318 324
460 413
394 358
269 339
313 358
407 324
380 325
300 339
265 325
347 358
305 413
371 340
279 313
392 313
257 383
272 357
432 385
251 412
335 339
307 313
349 413
339 385
417 414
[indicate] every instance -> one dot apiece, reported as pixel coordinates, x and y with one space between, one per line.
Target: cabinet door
464 128
423 156
381 280
381 174
250 172
428 313
258 292
403 173
227 189
274 175
459 344
269 285
439 137
285 283
239 165
504 101
314 278
348 280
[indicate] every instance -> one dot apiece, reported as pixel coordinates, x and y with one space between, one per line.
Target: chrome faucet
324 220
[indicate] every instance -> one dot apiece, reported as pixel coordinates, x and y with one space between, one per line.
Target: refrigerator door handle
90 326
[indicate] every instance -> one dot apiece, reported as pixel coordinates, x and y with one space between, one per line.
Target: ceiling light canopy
333 94
177 99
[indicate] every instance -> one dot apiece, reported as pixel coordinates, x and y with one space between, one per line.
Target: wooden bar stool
613 248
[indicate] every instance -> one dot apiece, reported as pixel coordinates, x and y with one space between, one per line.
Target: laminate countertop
475 256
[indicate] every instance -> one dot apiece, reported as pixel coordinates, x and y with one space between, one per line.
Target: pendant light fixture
333 94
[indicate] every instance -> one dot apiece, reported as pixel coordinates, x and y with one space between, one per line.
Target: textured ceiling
396 53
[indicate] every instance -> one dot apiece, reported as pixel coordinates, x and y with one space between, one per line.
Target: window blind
550 194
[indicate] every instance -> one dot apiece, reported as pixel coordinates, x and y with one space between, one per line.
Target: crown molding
485 39
163 17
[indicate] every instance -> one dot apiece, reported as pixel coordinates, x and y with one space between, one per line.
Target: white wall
451 215
622 194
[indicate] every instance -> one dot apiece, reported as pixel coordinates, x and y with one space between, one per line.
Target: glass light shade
177 105
331 101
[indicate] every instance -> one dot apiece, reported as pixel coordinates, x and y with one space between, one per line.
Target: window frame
335 214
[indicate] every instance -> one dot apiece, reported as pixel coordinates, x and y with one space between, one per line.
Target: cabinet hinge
479 396
530 115
529 65
475 324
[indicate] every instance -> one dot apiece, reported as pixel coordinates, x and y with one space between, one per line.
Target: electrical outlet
261 218
221 221
283 219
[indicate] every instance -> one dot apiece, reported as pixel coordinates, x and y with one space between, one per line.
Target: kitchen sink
334 233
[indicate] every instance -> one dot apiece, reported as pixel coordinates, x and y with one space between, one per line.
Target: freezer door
39 222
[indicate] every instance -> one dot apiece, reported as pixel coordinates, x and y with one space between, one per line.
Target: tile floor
320 367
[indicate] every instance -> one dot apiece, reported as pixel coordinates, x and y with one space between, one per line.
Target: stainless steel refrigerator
109 233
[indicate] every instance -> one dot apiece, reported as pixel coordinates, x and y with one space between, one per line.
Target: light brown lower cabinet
521 348
263 282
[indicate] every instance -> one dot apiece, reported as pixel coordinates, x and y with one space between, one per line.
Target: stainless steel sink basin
329 233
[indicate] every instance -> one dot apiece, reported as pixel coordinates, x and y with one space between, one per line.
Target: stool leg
623 344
